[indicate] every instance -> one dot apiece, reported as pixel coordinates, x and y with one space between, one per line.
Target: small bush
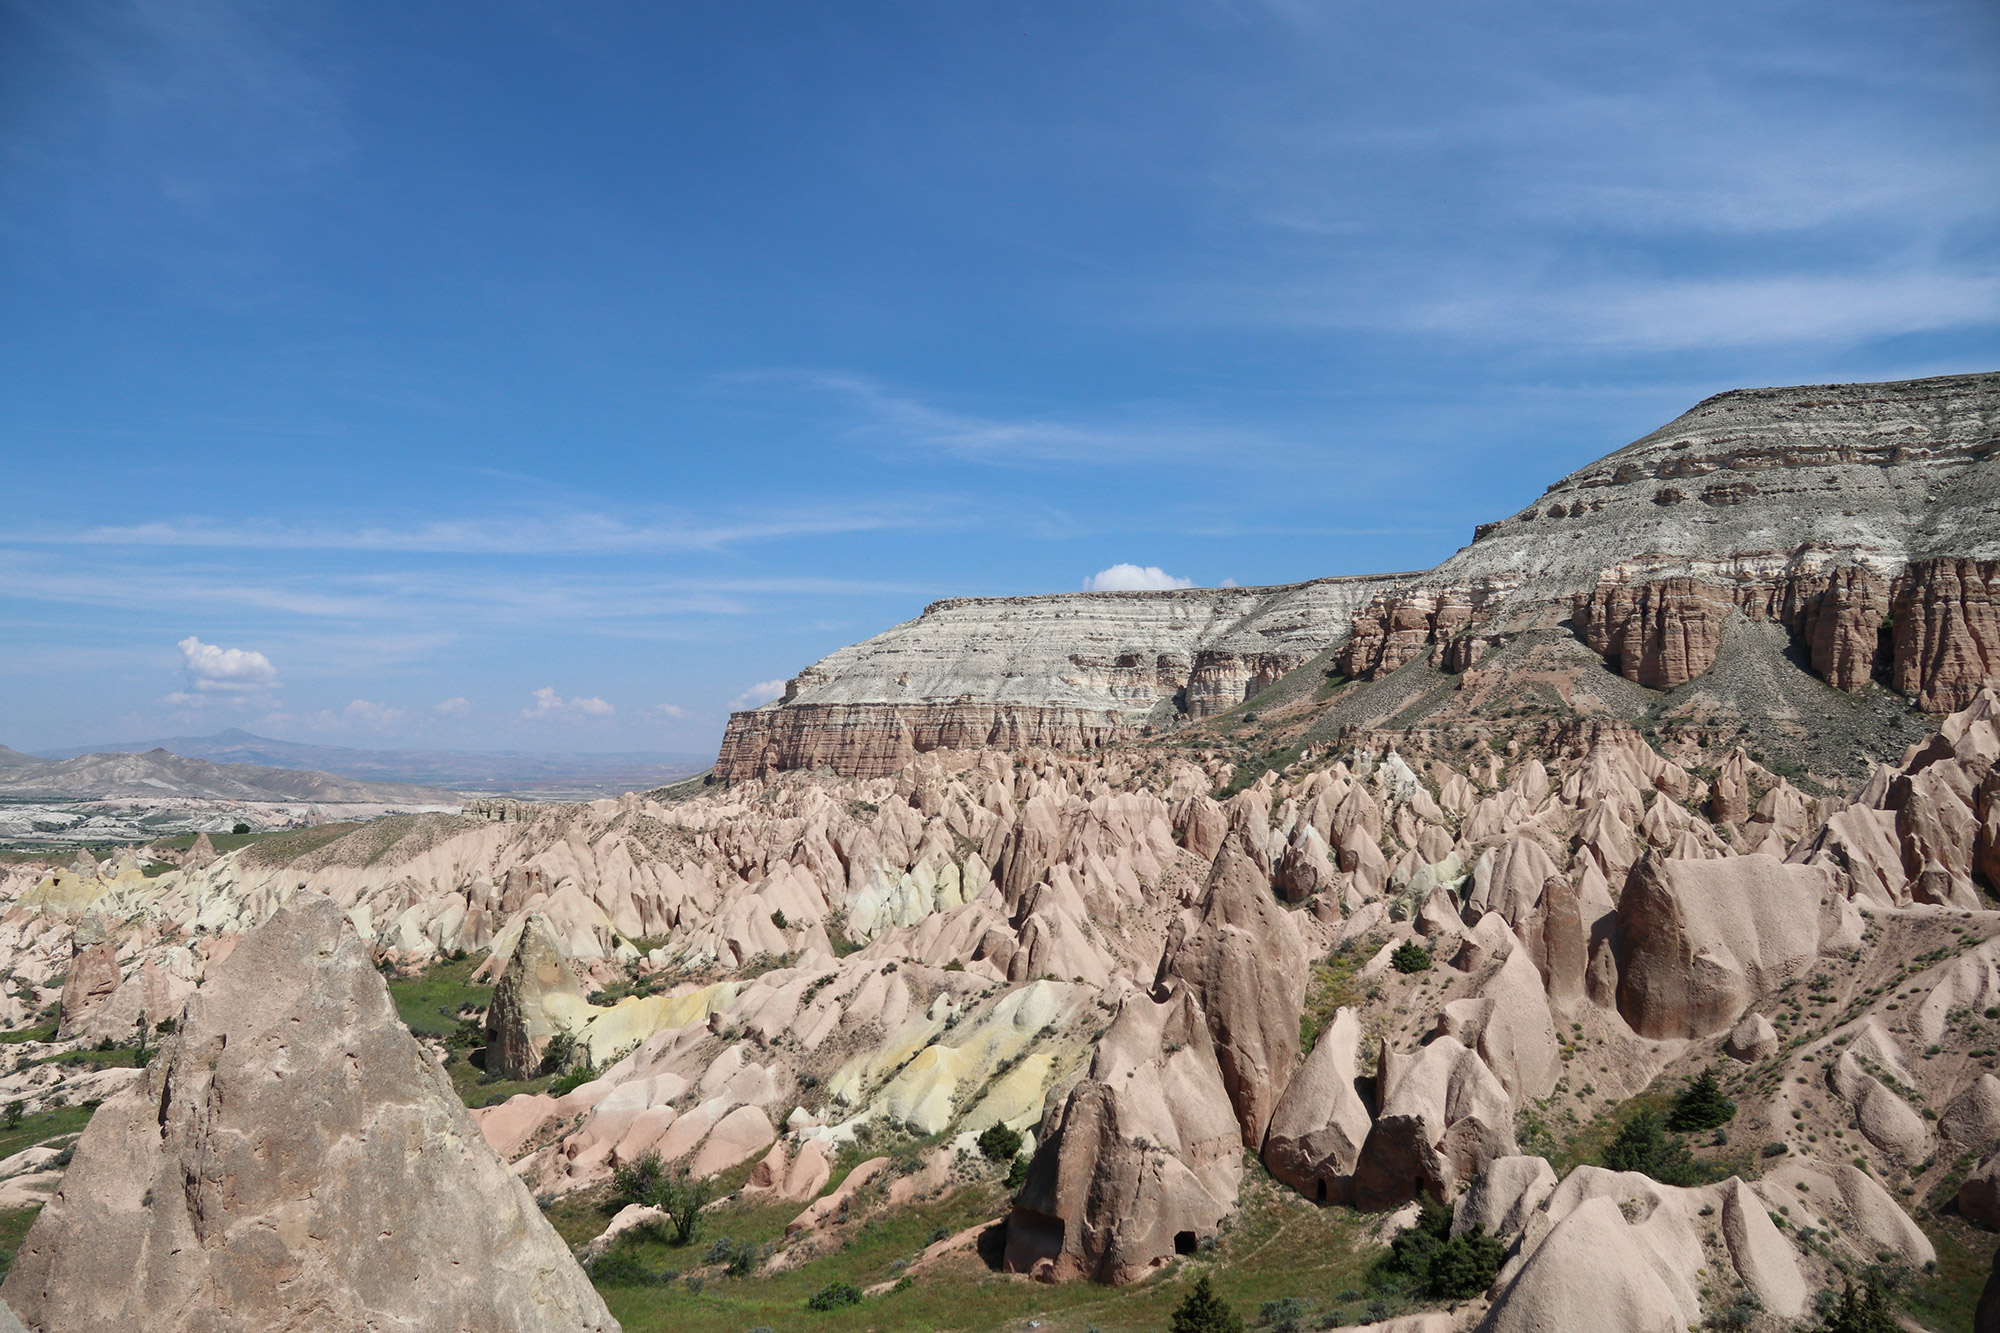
1287 1314
1410 957
1000 1144
1204 1312
1773 1150
834 1296
1862 1311
621 1268
1017 1173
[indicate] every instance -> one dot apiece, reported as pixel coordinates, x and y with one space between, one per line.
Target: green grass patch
1278 1247
118 1057
39 1032
428 1003
1945 1299
14 1224
1334 981
41 1128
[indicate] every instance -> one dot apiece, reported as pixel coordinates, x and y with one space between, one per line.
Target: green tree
1410 957
1701 1105
677 1194
1204 1312
1644 1145
1862 1311
999 1143
1427 1260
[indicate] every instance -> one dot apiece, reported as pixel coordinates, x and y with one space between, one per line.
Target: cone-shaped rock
535 998
294 1160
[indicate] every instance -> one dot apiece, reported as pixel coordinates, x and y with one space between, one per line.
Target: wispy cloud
535 535
904 420
761 693
550 706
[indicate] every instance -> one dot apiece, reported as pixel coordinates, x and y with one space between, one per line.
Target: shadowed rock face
531 1003
1697 941
294 1160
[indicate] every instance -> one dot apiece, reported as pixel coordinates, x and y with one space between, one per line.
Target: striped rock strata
1073 671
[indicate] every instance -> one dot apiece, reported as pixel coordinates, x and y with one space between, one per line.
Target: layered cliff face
1862 519
1071 671
1822 508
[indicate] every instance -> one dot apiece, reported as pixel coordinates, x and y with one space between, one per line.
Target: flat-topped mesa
1071 671
1864 518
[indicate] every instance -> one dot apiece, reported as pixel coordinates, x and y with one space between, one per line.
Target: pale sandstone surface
294 1159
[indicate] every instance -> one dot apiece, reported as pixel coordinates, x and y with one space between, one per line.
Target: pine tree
1701 1105
1204 1312
1643 1146
1863 1311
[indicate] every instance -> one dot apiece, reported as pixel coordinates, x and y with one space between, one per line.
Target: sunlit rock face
294 1159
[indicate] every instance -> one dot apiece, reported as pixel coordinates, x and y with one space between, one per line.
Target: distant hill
505 772
158 774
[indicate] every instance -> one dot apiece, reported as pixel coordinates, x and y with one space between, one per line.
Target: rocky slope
808 972
1862 522
1072 671
294 1159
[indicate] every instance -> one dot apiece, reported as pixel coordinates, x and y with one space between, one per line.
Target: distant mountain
158 774
508 772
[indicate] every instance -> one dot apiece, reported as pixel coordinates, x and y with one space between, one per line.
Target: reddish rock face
876 740
1842 626
1661 634
1947 631
92 979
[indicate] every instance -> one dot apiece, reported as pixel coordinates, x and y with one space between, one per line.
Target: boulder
1971 1123
1979 1196
1246 967
1752 1039
1321 1122
293 1159
1697 941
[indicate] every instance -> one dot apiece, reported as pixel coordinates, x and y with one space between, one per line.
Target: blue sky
554 375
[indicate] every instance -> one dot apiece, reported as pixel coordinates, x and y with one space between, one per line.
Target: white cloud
363 713
550 706
452 707
761 693
1133 578
228 672
666 711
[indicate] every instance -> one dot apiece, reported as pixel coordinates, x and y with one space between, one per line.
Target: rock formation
293 1159
1072 671
536 997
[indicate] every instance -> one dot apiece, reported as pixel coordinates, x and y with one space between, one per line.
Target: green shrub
1204 1312
834 1296
1701 1105
681 1197
1643 1145
1773 1150
1287 1314
1427 1260
1017 1173
1410 957
1000 1144
1863 1311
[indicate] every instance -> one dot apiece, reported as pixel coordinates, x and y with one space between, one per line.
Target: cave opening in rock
1184 1242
